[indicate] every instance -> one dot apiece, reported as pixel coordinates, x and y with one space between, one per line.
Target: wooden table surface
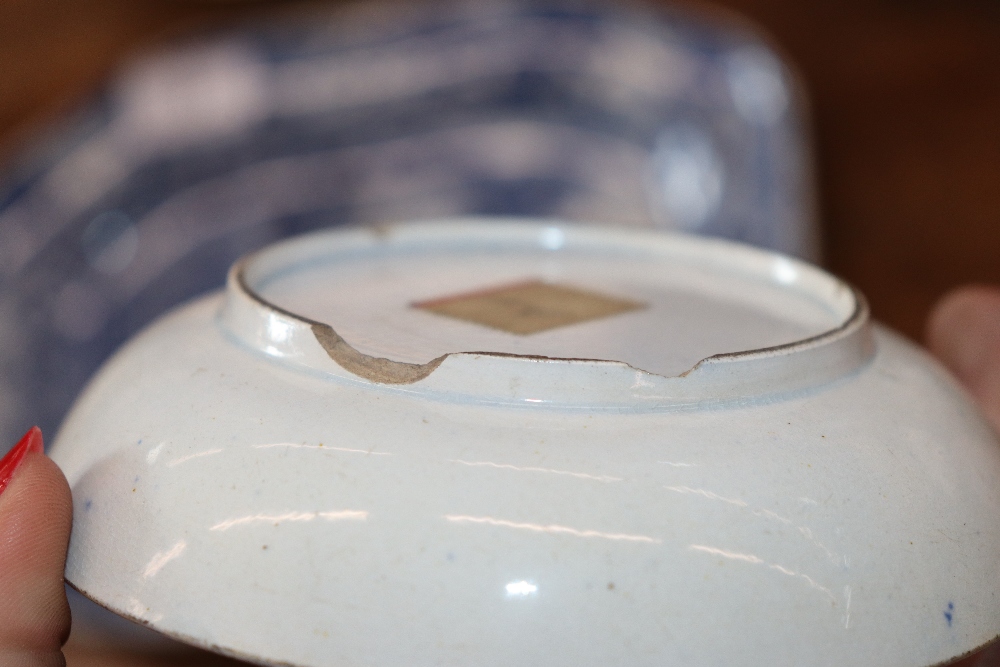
906 110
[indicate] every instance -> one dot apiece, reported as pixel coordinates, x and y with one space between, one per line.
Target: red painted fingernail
31 442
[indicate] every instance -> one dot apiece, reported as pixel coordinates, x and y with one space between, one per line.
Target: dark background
905 101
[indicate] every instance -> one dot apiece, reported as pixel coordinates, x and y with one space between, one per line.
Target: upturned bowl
535 444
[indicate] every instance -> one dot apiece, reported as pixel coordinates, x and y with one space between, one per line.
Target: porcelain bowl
524 443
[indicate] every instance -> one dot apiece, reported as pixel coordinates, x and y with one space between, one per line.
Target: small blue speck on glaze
140 441
86 505
135 480
948 614
451 556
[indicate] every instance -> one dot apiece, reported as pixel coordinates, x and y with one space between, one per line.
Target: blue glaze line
948 614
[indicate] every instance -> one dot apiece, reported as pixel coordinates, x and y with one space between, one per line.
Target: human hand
963 331
35 519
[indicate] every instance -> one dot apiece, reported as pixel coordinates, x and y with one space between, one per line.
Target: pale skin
963 331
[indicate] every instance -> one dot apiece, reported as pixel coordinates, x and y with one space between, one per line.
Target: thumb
35 519
964 332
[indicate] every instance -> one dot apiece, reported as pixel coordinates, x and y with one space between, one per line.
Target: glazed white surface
678 325
288 514
692 309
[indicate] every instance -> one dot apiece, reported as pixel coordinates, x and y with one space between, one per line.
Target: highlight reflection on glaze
551 528
196 455
507 466
342 515
706 494
750 558
521 589
322 447
160 559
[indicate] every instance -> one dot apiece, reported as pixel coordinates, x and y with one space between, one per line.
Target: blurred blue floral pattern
195 156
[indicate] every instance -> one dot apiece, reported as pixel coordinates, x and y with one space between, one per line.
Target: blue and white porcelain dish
461 443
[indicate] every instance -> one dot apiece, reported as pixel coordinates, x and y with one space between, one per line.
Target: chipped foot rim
828 351
528 444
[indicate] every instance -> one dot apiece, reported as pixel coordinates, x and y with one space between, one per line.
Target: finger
964 332
35 520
